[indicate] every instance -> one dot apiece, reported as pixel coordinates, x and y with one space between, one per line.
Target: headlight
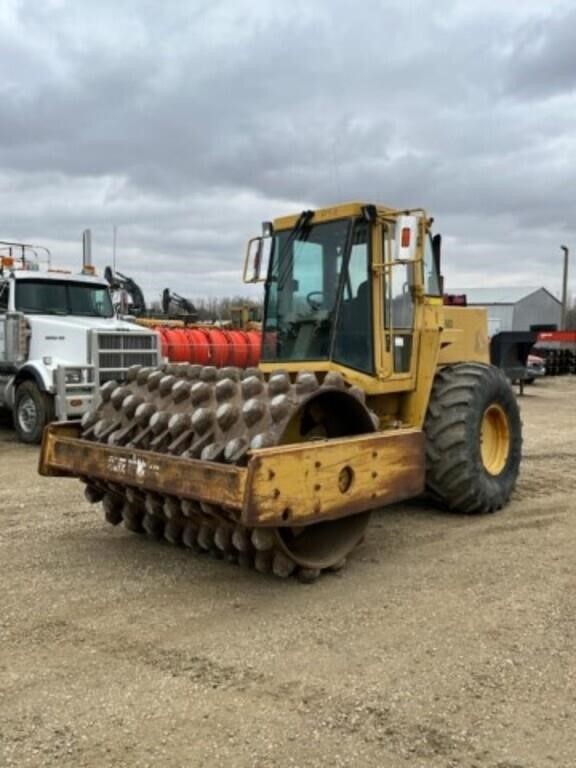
74 377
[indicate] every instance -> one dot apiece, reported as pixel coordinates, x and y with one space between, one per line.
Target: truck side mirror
257 259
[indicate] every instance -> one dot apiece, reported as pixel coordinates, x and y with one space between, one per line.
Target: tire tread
455 475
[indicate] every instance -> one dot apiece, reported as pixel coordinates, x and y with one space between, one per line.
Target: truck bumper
73 406
73 400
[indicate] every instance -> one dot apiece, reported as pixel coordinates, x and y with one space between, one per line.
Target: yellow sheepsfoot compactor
369 391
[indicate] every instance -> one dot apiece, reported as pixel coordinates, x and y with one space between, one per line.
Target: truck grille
116 352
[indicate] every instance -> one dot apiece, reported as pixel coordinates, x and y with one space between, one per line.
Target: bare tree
212 310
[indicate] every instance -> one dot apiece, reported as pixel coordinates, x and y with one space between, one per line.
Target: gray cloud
543 60
186 124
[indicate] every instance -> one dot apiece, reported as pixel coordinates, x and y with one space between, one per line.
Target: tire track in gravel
374 721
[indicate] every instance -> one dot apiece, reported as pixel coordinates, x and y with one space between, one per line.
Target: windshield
55 297
301 291
318 302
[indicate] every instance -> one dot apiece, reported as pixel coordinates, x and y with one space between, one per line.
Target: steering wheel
315 304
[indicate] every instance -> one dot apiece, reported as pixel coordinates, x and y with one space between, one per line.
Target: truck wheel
33 411
473 438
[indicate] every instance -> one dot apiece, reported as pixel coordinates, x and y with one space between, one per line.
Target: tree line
212 309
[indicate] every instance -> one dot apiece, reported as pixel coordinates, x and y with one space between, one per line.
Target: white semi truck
60 339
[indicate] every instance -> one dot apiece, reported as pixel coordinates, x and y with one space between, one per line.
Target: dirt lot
446 642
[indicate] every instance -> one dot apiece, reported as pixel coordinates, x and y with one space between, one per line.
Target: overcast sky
186 123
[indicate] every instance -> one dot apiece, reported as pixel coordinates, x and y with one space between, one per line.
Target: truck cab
59 341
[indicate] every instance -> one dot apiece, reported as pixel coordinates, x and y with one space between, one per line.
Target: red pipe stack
210 346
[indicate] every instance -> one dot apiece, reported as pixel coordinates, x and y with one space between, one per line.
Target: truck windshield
55 297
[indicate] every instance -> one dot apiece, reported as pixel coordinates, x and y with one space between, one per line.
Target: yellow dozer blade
279 472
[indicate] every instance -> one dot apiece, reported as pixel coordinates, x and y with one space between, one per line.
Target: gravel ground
447 641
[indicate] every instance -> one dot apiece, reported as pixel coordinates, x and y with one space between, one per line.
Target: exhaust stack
87 266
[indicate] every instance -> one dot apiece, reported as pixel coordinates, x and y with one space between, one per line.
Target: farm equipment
129 300
369 391
510 350
127 294
174 305
246 317
558 349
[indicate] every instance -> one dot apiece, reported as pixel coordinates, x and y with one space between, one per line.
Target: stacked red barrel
210 346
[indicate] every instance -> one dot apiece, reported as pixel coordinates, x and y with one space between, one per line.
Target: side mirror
436 249
257 259
436 255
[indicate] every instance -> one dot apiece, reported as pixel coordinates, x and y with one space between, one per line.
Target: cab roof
340 211
69 277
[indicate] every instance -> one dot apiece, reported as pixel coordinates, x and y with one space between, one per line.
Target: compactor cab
343 290
357 290
370 391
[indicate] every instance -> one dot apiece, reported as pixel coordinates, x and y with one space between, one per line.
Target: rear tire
473 438
33 410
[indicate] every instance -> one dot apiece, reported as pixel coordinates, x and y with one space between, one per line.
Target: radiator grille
116 352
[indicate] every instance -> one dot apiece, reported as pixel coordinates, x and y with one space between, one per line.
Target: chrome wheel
27 414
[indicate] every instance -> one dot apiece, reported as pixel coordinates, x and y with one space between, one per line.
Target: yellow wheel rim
494 439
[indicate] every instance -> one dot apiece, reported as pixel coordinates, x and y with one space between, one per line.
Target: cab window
353 341
4 292
431 280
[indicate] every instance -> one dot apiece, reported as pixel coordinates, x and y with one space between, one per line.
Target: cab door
399 239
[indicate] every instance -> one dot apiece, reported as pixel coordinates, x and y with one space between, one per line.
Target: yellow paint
293 485
495 439
289 485
64 453
464 337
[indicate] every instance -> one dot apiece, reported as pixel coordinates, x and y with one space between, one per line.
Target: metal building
517 308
